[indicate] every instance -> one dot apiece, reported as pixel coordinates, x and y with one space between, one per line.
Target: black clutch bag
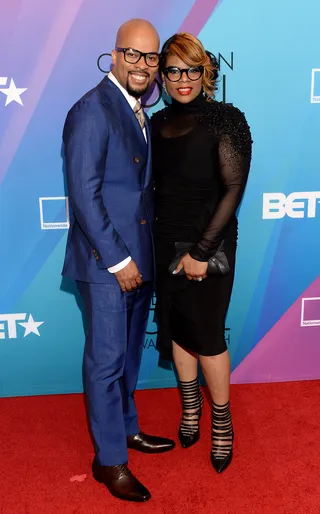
217 264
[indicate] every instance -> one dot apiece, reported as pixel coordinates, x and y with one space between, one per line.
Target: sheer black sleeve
234 149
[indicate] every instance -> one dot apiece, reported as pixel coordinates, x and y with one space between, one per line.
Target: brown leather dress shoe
120 482
149 443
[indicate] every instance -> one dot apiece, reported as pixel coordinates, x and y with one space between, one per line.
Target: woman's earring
204 94
164 88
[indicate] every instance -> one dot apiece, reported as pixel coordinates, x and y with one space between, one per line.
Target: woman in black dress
201 159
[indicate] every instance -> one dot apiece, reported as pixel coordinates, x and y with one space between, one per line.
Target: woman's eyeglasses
133 56
174 74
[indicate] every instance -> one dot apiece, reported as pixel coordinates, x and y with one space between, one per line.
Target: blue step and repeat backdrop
270 68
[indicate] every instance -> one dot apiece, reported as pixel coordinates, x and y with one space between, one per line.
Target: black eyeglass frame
182 71
142 54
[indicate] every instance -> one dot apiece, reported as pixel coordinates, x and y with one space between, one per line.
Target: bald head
134 71
137 28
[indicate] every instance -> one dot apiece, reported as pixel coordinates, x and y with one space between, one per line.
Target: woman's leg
216 370
186 363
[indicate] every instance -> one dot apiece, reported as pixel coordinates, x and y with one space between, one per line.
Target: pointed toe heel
192 402
222 437
221 464
188 440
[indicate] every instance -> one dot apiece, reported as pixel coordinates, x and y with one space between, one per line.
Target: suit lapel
111 95
148 170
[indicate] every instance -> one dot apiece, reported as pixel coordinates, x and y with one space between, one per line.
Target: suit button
136 159
143 222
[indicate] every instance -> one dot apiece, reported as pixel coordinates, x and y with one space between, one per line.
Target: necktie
139 114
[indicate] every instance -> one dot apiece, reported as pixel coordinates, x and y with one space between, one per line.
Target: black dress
201 160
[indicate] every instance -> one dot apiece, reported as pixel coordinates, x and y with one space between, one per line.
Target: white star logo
13 93
31 326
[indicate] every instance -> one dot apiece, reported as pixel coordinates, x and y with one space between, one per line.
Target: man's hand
192 268
129 277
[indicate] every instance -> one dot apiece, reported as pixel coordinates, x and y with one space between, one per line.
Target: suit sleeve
86 139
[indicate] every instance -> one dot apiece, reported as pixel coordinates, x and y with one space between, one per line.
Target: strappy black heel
192 402
222 437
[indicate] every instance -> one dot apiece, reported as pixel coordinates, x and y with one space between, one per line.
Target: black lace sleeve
234 149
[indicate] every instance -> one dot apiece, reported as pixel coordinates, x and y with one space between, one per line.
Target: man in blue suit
110 250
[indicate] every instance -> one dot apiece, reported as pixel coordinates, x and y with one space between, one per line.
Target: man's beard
137 93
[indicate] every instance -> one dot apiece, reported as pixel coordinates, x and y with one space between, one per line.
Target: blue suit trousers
116 324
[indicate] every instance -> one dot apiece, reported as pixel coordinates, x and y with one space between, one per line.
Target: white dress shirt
132 102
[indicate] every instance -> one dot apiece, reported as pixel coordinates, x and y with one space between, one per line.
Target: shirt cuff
120 265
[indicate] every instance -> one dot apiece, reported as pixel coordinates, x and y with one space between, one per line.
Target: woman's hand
194 270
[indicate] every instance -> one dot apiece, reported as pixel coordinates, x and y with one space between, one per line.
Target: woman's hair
191 51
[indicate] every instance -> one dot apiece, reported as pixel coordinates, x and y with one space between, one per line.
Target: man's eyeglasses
133 56
174 74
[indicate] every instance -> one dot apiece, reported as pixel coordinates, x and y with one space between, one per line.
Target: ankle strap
190 394
190 383
224 406
220 410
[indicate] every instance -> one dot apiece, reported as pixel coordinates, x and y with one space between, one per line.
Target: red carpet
46 453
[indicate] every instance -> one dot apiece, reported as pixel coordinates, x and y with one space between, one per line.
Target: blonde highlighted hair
191 51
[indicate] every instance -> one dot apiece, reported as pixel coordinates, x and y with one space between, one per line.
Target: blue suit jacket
110 187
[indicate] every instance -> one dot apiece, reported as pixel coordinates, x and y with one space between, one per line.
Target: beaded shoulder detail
228 122
221 120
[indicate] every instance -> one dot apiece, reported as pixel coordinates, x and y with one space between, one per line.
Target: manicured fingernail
174 272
